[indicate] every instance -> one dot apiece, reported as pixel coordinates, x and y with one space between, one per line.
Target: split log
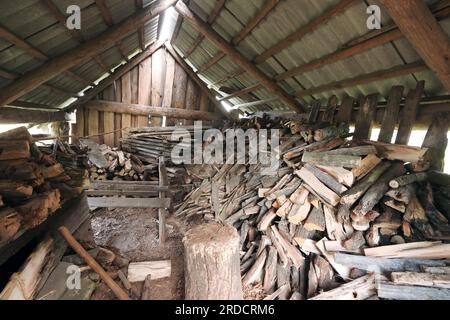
405 292
11 150
342 175
138 271
270 270
407 179
352 195
378 189
290 250
359 289
421 279
382 265
315 220
366 166
331 160
403 194
11 189
328 195
10 222
329 181
212 263
398 152
255 273
23 284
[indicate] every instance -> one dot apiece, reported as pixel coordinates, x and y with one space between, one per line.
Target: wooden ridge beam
366 78
306 29
214 37
420 27
262 14
79 54
197 80
144 110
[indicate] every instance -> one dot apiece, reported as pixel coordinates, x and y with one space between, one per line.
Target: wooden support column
436 141
420 27
162 212
214 37
83 52
409 114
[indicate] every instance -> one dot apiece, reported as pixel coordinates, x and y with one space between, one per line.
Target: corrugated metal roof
287 17
34 23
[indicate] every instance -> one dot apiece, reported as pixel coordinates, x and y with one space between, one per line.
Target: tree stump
212 266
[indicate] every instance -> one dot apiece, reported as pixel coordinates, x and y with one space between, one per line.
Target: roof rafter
211 18
420 27
215 38
139 4
253 23
75 56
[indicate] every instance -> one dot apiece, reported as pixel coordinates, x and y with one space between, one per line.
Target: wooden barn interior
351 96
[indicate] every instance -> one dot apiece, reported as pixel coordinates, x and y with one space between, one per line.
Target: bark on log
212 267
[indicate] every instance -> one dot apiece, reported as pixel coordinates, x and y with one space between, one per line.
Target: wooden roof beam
211 18
419 26
72 58
215 38
253 23
139 4
306 29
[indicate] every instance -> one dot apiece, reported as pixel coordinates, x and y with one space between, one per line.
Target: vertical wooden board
80 122
179 87
145 81
101 127
391 113
190 98
117 129
142 121
86 121
108 127
204 101
126 121
409 113
328 115
169 81
158 80
134 121
345 110
365 118
134 75
118 89
126 87
109 93
93 125
436 141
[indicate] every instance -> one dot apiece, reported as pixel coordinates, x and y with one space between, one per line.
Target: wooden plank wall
157 81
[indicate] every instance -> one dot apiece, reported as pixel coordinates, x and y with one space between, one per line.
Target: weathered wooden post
212 268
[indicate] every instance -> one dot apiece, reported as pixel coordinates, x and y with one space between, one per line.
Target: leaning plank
116 202
390 116
376 264
359 289
138 271
435 252
421 279
386 251
365 117
404 292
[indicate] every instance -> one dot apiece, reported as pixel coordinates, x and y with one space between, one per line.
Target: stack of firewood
32 183
332 197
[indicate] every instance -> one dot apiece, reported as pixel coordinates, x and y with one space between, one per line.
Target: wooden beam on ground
16 115
77 55
144 110
162 212
306 29
214 37
366 78
419 26
197 80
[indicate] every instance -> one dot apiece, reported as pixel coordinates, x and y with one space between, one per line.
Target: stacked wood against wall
157 82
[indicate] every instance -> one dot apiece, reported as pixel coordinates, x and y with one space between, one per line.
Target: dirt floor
133 233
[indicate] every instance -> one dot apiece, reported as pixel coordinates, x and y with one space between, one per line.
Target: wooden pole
420 27
118 291
70 59
237 57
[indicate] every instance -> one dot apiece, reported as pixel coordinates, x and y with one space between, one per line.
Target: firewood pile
310 229
33 183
